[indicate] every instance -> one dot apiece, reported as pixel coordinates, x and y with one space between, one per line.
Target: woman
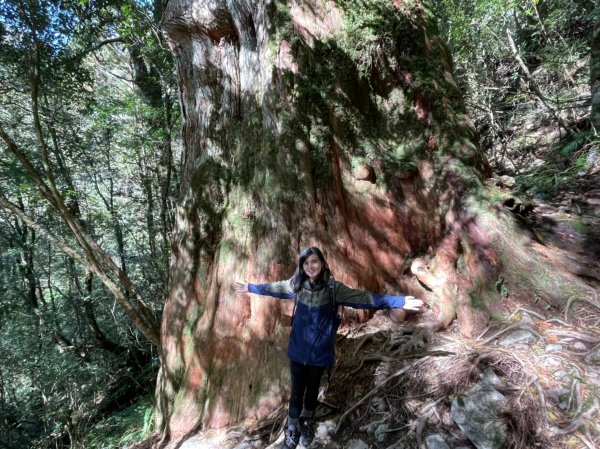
311 347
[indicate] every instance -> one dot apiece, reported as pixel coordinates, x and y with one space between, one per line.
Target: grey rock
526 319
324 429
356 444
491 378
476 414
593 357
560 375
244 445
381 432
557 394
436 442
592 158
552 361
579 346
554 348
507 181
516 337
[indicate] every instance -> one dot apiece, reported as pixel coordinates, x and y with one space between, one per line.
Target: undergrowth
126 427
570 160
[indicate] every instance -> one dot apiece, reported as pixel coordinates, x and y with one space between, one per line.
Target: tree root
530 312
363 341
514 326
583 337
377 388
580 420
573 299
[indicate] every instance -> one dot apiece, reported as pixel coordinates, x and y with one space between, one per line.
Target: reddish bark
277 112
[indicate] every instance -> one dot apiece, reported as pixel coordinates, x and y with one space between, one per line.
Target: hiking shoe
292 436
306 432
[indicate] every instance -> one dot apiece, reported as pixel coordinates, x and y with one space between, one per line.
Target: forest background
89 173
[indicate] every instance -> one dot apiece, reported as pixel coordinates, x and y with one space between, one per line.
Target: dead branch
512 327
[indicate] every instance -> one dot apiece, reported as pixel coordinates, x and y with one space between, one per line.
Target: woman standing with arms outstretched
311 347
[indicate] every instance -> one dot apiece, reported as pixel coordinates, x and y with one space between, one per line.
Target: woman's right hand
241 287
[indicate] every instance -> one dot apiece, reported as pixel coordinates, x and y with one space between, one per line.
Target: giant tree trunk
329 124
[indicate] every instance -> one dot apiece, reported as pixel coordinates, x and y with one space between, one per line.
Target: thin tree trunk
534 87
91 264
595 77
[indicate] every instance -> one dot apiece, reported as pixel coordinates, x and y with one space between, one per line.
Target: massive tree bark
319 123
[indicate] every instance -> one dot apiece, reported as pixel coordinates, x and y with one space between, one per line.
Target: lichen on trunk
336 124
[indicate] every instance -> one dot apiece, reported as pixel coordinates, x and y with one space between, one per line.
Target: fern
576 143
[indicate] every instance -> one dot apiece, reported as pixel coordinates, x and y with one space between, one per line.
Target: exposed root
376 389
366 339
530 312
509 328
572 299
579 336
580 420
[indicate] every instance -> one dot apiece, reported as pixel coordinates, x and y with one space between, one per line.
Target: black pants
305 387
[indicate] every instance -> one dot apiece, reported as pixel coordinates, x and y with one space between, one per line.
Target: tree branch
533 85
149 331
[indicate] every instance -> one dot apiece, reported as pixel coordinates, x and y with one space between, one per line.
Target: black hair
300 275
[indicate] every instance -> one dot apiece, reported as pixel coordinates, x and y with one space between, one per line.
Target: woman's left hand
412 303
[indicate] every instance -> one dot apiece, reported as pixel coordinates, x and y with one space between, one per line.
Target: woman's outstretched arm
360 299
280 289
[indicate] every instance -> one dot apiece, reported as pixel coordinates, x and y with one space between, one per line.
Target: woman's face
312 266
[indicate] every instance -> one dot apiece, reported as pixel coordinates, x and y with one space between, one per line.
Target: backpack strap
334 316
332 294
294 310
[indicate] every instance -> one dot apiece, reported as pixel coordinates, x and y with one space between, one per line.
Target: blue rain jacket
315 323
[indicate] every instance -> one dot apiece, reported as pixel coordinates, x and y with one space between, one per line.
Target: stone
515 337
436 442
553 347
507 181
381 432
324 429
356 444
492 379
552 361
560 374
244 445
579 346
593 357
476 413
526 319
557 394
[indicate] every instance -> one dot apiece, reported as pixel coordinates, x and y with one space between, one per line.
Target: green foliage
569 161
64 345
552 38
128 426
575 143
